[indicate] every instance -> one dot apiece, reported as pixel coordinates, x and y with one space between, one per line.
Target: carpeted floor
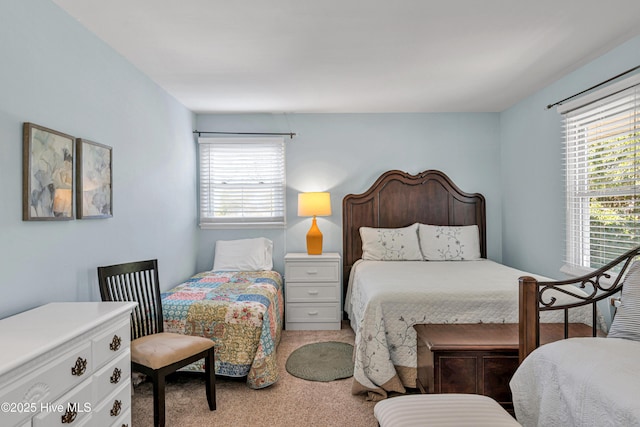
290 402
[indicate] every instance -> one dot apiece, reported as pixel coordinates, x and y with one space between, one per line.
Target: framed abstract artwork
47 172
94 191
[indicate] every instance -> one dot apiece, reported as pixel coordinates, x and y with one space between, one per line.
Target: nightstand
312 291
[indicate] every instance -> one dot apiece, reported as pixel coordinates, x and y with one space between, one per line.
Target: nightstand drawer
304 312
305 292
317 271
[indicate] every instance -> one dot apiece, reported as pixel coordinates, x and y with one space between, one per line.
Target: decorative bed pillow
449 243
243 255
626 322
391 244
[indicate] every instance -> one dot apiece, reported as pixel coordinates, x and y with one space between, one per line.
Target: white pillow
449 243
626 322
243 255
391 244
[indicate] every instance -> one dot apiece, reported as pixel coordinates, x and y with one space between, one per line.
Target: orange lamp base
314 239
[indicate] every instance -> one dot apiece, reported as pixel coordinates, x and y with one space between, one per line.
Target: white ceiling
297 56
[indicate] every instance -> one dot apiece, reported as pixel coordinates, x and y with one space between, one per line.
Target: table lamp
314 204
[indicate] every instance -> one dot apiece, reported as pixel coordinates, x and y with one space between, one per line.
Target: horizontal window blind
242 181
601 161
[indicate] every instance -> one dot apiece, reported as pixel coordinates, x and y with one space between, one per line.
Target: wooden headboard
398 199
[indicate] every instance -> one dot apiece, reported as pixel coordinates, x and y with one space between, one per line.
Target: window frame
206 186
579 186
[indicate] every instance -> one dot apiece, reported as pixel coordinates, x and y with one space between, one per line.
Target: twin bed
581 381
239 305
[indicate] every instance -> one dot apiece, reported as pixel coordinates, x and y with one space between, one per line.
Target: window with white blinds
242 182
602 171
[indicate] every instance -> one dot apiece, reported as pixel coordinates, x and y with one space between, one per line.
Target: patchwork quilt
242 312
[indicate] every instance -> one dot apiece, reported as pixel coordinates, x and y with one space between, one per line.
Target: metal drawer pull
117 407
312 271
116 376
314 292
80 368
69 416
312 313
115 343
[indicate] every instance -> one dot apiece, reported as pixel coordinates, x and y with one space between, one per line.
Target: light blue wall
531 170
345 153
56 74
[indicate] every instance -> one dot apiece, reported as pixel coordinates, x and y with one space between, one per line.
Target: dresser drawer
306 292
47 383
316 271
72 408
116 404
123 421
304 312
109 378
111 343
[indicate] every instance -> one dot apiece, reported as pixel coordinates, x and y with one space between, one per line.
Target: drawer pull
117 407
314 292
312 313
312 271
80 368
69 416
115 343
116 376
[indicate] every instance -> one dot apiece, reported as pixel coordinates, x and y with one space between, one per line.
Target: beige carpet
290 402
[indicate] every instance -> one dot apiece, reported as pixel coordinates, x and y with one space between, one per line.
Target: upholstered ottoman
442 410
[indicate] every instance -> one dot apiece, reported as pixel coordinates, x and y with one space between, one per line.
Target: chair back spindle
138 282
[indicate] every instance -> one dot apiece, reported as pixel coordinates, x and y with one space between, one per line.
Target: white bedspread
385 299
579 382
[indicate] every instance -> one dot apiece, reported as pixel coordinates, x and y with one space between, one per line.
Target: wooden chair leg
210 378
158 400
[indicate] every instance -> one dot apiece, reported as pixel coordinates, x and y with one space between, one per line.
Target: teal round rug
321 361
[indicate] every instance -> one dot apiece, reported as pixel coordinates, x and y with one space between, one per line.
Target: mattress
386 298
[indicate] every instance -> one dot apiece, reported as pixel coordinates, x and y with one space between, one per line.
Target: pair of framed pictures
55 165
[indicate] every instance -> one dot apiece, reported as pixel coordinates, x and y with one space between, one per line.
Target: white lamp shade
314 204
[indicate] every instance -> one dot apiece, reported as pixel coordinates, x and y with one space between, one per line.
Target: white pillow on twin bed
626 322
449 243
391 244
243 255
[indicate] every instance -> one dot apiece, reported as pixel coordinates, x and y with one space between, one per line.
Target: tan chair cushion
158 350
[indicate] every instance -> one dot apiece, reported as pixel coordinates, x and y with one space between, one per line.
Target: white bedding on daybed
579 382
386 298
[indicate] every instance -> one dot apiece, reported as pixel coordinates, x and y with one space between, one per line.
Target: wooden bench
476 358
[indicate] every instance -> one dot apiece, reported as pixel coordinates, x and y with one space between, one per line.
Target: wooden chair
154 352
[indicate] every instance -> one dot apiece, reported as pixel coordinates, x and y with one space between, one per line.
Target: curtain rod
290 134
593 87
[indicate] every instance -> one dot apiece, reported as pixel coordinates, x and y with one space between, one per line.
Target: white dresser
67 364
312 291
